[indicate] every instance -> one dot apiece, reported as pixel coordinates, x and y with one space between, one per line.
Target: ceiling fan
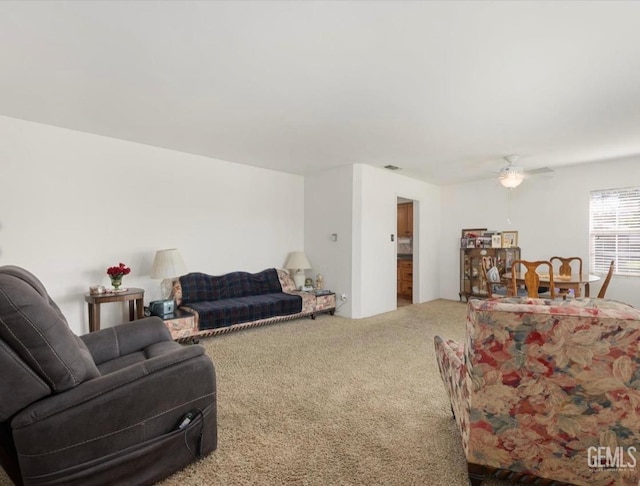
512 175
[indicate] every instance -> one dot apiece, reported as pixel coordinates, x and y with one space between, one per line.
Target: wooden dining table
576 282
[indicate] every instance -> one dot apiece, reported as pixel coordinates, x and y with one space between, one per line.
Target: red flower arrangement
119 271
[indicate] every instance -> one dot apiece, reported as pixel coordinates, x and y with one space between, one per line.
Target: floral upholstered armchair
548 389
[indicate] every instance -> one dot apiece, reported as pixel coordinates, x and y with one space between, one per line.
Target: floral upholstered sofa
238 300
548 389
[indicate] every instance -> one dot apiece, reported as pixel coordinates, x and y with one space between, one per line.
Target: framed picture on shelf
509 239
473 233
496 241
463 242
483 242
471 242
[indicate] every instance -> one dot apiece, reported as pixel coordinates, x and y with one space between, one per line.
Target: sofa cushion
226 312
200 287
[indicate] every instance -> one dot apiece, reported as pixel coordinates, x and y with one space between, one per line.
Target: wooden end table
325 302
181 324
133 296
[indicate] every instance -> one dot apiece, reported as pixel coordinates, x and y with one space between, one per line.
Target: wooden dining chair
565 264
498 288
493 285
531 277
566 270
605 284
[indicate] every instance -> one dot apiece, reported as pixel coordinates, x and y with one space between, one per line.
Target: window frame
614 215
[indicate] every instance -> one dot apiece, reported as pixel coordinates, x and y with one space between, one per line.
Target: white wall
359 203
328 203
72 204
374 258
551 215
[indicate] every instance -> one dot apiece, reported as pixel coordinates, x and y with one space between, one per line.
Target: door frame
415 246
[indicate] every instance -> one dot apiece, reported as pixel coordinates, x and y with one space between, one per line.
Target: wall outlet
343 297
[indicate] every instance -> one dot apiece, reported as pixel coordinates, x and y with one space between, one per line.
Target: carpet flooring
335 401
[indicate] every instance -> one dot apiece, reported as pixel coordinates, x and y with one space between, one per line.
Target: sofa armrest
449 352
450 356
113 342
308 300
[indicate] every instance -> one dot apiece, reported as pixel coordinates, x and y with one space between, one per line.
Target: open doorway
405 251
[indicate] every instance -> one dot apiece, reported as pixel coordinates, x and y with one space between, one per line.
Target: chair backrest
488 284
531 277
39 354
555 372
489 271
565 265
605 284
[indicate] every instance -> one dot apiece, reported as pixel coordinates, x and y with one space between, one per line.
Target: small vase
116 282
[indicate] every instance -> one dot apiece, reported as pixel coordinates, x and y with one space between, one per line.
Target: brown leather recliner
124 405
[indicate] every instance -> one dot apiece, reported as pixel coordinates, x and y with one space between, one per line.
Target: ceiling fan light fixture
511 176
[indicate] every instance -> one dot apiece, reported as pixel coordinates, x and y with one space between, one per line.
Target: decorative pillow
493 275
176 292
286 281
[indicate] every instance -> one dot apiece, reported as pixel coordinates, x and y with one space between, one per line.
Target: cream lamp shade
298 263
167 265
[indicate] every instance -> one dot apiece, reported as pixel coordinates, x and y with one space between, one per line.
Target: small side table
134 296
325 302
181 324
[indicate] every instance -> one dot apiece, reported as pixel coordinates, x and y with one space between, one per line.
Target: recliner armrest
120 413
96 389
113 342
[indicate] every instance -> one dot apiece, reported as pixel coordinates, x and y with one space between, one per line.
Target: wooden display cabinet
471 280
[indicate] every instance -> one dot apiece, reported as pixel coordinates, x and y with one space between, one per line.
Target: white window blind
615 231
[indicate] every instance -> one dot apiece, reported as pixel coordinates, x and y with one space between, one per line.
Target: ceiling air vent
392 167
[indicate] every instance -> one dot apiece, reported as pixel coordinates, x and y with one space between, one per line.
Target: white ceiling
441 89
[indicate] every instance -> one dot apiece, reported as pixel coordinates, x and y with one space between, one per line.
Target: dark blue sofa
237 297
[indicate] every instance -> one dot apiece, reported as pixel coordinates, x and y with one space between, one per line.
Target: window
614 231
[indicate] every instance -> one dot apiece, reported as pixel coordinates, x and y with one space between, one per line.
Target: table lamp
167 265
297 263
